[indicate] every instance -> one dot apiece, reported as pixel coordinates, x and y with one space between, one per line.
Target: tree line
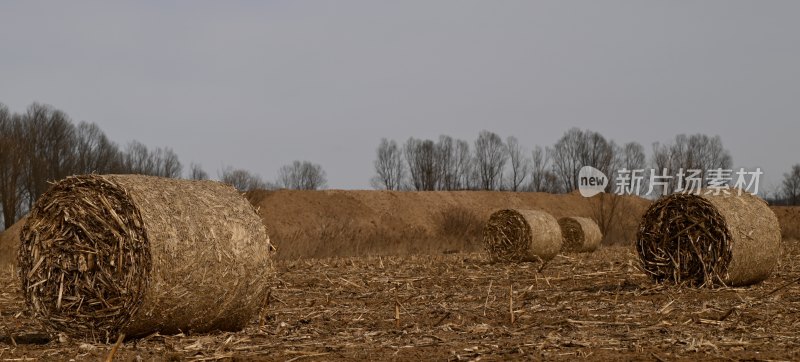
43 145
491 163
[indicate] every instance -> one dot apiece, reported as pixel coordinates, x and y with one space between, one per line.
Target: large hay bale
726 239
522 235
580 234
103 255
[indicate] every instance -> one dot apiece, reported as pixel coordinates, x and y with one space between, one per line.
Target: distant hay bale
103 255
710 240
522 235
580 234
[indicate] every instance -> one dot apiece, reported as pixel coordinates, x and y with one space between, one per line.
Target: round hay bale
104 255
580 234
522 235
709 240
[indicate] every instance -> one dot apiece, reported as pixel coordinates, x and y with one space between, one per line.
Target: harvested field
596 306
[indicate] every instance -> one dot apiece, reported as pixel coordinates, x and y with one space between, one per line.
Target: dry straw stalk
580 234
105 255
522 235
730 239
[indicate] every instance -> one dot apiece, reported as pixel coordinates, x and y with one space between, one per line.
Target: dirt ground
595 306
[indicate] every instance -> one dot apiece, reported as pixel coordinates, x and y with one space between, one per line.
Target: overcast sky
257 84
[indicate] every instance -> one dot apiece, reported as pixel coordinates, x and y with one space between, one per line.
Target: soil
594 306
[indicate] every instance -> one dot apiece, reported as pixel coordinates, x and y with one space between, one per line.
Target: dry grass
460 223
789 217
334 223
104 255
710 240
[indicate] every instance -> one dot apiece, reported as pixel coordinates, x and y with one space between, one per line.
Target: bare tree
241 179
302 176
578 148
567 158
389 167
453 162
162 162
463 165
94 152
196 172
48 141
631 158
42 145
520 164
791 185
446 163
12 165
543 179
490 158
167 163
421 156
696 152
137 159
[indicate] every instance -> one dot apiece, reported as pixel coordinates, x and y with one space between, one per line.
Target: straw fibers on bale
580 234
103 255
730 239
522 235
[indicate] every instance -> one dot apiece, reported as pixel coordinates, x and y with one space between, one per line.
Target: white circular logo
591 181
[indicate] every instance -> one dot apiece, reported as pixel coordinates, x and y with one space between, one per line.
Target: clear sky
257 84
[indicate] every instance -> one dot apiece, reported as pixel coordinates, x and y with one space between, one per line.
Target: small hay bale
104 255
522 235
709 240
580 234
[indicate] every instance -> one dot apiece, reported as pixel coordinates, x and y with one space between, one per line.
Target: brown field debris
596 306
